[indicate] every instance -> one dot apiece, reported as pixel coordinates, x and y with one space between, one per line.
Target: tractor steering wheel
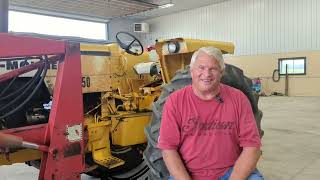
132 48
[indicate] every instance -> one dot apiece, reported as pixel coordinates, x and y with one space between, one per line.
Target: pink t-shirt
208 134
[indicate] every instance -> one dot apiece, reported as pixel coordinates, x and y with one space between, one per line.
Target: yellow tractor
124 89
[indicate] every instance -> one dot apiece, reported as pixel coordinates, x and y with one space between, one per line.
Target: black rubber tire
232 76
134 168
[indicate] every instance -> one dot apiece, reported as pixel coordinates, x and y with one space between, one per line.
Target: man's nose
207 72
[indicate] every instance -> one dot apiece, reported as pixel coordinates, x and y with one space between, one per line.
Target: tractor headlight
173 47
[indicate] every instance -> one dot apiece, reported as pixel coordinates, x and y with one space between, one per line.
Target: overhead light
166 5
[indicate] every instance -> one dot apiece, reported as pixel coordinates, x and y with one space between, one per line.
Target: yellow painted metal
19 156
171 62
96 47
113 48
195 44
114 71
145 102
128 129
156 91
133 60
131 101
106 73
99 144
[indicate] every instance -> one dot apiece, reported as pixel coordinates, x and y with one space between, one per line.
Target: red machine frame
61 139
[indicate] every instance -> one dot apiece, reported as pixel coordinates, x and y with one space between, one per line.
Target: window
50 25
295 65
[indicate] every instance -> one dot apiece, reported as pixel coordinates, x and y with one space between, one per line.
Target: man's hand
246 163
4 150
7 141
175 165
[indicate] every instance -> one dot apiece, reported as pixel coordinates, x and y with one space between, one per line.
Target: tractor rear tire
232 76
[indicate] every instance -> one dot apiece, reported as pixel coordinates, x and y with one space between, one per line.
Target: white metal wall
116 25
255 26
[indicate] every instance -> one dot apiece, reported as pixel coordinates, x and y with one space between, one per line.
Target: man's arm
246 163
175 165
249 140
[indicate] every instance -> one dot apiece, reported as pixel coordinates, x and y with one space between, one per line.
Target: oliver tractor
69 108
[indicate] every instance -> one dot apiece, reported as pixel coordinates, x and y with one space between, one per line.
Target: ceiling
104 10
95 10
180 5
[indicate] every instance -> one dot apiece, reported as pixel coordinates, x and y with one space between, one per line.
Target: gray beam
4 8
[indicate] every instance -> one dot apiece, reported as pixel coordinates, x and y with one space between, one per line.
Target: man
7 141
208 130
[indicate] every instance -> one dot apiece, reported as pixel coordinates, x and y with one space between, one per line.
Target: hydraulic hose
34 81
9 85
23 88
44 72
273 75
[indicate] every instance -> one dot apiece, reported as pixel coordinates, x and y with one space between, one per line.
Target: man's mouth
206 81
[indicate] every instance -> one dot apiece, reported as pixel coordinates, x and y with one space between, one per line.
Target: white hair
211 51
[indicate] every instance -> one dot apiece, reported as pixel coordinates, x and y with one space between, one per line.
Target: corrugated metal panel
96 10
255 26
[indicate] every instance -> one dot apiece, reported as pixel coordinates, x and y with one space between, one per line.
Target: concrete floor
292 138
291 144
22 171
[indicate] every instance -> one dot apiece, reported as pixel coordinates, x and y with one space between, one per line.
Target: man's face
206 73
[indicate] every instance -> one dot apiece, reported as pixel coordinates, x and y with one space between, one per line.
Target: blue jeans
255 175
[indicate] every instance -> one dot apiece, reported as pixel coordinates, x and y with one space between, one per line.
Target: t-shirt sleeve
169 137
248 131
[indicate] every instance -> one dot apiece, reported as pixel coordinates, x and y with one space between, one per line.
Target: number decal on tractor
85 81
